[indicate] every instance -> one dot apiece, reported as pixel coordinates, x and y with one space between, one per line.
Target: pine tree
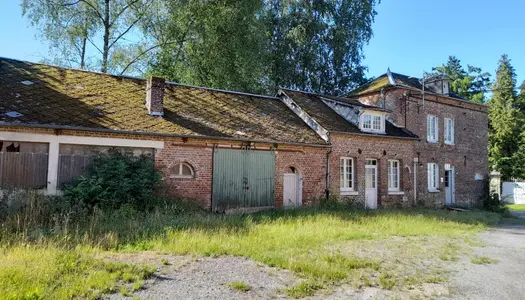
505 122
471 83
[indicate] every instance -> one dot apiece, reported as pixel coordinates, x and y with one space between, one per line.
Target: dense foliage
471 84
506 121
115 179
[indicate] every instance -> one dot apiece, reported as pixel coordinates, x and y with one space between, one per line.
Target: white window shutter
429 128
446 129
452 131
436 176
436 129
429 176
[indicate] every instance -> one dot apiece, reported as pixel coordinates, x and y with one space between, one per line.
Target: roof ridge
72 69
222 91
320 95
140 78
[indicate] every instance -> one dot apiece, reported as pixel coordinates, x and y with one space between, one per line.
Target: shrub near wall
115 179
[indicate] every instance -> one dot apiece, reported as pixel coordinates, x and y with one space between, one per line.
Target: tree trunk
105 53
84 41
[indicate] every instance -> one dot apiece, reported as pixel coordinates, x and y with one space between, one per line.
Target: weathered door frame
371 194
450 185
296 188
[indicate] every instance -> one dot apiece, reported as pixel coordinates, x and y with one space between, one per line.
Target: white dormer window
372 121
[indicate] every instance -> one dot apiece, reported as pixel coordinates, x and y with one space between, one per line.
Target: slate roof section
399 79
313 105
73 98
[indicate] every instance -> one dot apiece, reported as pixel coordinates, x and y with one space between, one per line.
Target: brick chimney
155 96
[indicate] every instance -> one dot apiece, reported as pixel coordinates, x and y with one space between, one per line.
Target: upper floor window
182 170
393 175
432 129
347 174
449 131
373 122
433 177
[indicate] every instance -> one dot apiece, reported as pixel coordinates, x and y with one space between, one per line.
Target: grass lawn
518 207
385 248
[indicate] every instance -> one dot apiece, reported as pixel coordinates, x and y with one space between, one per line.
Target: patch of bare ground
410 268
211 278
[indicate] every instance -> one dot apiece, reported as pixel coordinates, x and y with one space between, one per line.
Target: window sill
432 142
373 131
450 144
434 191
348 193
396 192
181 177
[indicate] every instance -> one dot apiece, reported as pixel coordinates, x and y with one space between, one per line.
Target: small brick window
182 170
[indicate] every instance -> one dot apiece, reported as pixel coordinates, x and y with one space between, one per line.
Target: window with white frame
373 122
393 176
182 170
433 177
432 129
449 131
347 174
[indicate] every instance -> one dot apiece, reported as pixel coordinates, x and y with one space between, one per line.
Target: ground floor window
182 170
393 175
433 176
347 174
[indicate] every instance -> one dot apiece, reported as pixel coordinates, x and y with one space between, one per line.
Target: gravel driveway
503 279
500 276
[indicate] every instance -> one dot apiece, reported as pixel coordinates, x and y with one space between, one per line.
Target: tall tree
471 83
317 45
256 45
505 122
74 26
215 43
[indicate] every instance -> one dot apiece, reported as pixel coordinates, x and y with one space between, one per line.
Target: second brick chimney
155 96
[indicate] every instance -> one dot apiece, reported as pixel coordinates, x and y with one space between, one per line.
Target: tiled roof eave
158 134
376 135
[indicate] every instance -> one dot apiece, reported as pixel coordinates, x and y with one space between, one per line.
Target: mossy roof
383 82
73 98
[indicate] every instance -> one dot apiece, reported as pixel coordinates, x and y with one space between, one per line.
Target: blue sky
410 36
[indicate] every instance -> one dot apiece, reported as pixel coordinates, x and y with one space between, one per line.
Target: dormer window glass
373 122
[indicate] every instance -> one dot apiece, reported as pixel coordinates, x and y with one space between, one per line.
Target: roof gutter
419 90
376 135
104 130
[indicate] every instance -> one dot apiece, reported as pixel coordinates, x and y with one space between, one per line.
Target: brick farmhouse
392 142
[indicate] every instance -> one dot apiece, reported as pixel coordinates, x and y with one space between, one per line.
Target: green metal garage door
243 178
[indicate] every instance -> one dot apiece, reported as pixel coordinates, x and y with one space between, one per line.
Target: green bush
115 179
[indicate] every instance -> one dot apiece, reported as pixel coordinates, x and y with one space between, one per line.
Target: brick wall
310 164
468 155
309 161
382 149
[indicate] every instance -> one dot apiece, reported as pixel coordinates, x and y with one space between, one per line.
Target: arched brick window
182 170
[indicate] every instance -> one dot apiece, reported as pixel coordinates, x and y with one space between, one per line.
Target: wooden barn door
243 179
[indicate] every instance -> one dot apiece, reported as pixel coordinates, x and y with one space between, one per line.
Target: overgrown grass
483 260
46 272
518 207
240 286
298 240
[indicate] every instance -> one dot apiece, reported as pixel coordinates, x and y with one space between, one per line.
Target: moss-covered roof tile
75 98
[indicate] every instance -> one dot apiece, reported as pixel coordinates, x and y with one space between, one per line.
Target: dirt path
503 279
209 278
